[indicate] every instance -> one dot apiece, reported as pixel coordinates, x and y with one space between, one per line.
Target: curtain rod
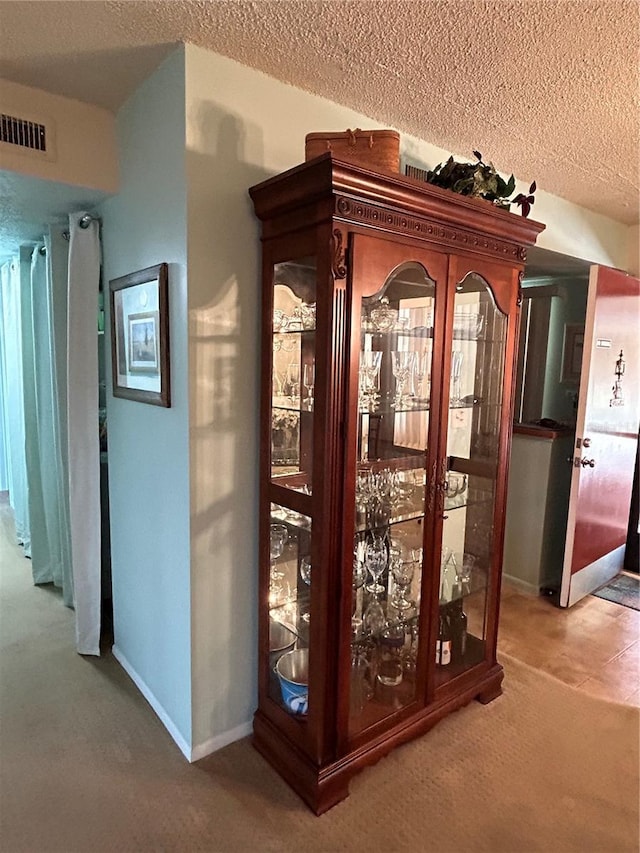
84 222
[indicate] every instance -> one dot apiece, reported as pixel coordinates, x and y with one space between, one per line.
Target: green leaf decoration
480 180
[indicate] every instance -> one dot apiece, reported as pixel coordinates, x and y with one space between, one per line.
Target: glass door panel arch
476 387
394 376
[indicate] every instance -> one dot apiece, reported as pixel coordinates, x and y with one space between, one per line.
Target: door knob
588 463
586 442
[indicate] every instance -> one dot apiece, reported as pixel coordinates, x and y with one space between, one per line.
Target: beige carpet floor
86 766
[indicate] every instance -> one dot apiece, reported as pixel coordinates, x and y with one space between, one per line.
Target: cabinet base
323 786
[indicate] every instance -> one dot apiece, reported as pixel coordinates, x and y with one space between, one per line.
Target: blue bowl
293 674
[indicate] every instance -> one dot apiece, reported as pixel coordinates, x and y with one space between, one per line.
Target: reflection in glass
396 350
293 372
475 408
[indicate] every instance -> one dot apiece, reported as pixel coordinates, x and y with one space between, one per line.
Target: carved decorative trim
421 226
338 265
432 487
520 278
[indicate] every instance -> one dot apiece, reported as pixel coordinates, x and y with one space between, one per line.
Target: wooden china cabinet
390 316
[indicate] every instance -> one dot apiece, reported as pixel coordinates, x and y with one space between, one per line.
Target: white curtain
82 427
44 335
13 400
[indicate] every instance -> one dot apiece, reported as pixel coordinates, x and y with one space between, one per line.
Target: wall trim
165 719
522 586
213 744
197 752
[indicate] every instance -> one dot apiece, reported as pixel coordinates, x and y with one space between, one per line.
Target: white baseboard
165 719
521 586
190 753
213 744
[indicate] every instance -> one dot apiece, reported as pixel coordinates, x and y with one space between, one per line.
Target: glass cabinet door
474 414
394 376
293 352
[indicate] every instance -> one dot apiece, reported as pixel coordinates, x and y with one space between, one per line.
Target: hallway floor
594 645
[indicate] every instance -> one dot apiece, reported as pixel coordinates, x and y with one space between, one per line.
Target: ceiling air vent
26 135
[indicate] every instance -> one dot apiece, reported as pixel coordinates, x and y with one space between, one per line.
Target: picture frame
140 336
572 353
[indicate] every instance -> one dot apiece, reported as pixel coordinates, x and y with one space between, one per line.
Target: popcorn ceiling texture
548 89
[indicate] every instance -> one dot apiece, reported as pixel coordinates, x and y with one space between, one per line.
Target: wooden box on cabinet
390 314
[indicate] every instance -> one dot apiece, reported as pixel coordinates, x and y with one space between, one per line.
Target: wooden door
606 435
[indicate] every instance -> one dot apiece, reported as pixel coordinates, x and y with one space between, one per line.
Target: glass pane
293 373
289 605
394 391
475 404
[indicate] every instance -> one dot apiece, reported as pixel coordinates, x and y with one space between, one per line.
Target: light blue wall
144 225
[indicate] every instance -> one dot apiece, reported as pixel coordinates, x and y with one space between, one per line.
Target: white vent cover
27 135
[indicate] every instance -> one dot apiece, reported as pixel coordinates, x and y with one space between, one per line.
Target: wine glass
420 369
402 574
376 562
293 378
309 378
358 578
456 373
402 365
305 574
369 375
374 619
465 572
278 536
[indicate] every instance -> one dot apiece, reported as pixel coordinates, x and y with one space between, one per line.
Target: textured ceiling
548 89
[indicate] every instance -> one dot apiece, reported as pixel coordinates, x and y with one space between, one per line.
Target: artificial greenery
480 180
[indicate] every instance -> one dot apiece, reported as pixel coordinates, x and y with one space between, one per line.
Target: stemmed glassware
376 562
402 571
309 378
357 583
402 366
305 574
293 378
464 573
448 575
420 369
369 375
278 536
456 373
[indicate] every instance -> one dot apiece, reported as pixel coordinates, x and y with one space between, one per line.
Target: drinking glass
293 378
376 562
464 573
402 365
278 536
369 375
402 573
305 574
374 619
420 369
309 378
456 373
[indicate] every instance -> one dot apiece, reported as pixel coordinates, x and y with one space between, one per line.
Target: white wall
633 245
83 144
145 224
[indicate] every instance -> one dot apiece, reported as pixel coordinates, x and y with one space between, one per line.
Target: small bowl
293 674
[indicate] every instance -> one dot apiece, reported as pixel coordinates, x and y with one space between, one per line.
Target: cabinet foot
492 689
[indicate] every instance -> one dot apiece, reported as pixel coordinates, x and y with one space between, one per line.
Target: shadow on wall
224 333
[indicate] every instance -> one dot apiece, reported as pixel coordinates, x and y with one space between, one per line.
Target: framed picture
140 336
572 353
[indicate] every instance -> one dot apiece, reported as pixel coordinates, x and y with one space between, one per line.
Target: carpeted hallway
87 767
